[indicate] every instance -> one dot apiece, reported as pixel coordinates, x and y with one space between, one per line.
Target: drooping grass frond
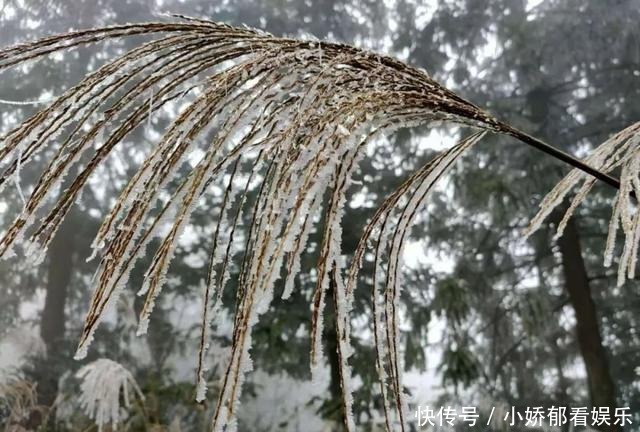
620 152
103 383
19 399
390 224
280 125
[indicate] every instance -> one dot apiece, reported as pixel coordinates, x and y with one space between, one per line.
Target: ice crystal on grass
104 384
280 120
19 402
620 152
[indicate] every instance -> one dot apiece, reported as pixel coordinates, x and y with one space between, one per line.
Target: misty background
489 319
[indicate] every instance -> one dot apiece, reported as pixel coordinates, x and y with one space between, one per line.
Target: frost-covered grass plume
280 126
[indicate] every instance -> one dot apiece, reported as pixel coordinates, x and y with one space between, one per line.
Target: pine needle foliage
299 114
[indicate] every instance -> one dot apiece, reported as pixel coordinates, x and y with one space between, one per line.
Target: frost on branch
620 152
103 381
282 121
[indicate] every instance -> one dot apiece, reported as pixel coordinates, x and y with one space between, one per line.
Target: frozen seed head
620 152
281 120
104 391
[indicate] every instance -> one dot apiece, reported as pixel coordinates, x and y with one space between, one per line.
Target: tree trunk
52 321
601 386
562 391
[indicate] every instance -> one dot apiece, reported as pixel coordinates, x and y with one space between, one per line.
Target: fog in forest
487 318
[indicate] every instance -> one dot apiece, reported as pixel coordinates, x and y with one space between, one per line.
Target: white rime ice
621 151
102 383
406 201
281 125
